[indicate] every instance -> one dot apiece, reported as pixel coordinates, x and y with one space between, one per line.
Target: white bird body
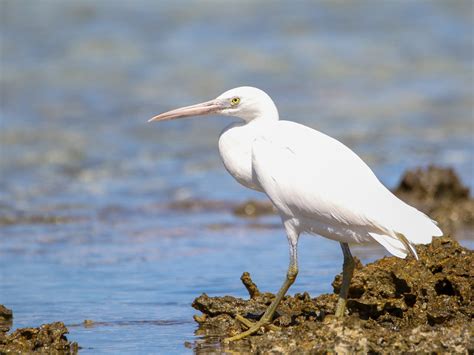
318 185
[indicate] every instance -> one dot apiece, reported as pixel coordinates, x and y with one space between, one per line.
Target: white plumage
317 184
330 191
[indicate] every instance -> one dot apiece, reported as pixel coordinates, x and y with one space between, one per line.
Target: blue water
79 79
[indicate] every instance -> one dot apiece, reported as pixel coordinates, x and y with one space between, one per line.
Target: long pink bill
204 108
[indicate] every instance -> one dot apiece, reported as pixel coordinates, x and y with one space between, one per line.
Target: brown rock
6 318
394 305
46 339
253 208
433 183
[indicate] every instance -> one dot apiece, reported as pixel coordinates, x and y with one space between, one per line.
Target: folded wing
311 175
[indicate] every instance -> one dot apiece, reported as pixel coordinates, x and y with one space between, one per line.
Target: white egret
317 184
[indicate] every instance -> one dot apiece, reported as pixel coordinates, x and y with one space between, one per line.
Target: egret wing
309 174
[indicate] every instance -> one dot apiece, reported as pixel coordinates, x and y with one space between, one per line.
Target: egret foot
268 315
254 327
249 324
290 278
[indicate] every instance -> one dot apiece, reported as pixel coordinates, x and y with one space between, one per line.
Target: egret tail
408 227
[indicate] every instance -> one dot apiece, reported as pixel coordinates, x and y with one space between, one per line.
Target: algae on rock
395 305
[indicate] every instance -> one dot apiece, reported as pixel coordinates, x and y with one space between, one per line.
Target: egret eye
234 101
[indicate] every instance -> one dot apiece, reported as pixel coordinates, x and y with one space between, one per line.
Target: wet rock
199 205
250 285
432 183
6 318
408 293
46 339
18 217
214 306
5 313
439 193
394 305
88 323
254 208
250 208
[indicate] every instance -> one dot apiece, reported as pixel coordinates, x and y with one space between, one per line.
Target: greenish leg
268 315
347 272
290 278
248 323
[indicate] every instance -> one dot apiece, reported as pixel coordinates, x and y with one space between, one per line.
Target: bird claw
246 322
253 327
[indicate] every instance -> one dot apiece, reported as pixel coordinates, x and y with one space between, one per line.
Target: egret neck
235 148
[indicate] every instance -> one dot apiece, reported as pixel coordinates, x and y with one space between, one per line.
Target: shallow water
85 185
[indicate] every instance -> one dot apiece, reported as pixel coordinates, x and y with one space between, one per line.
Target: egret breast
235 148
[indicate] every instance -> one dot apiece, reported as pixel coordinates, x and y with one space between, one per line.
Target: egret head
247 103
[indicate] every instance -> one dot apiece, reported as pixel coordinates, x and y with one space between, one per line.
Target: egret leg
290 279
347 272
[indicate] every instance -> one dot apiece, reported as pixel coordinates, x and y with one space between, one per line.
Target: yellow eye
234 101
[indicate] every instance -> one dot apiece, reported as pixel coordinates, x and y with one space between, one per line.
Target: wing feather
309 174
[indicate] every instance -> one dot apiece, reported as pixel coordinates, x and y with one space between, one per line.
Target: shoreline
435 191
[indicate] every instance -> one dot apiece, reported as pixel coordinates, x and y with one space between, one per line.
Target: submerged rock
6 318
253 208
394 305
46 339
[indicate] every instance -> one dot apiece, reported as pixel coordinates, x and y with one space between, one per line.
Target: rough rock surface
46 339
6 318
394 305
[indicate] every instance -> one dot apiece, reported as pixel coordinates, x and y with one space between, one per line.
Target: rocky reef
46 339
396 305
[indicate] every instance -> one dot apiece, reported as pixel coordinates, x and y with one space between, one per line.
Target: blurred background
92 221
